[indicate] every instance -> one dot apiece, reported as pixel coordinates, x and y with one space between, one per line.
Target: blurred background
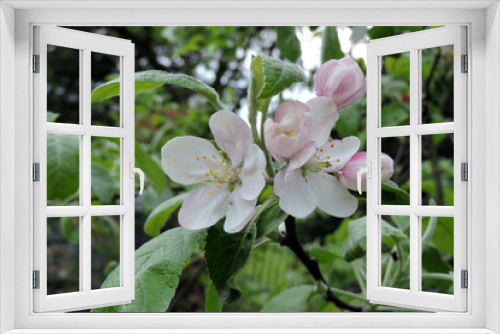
220 57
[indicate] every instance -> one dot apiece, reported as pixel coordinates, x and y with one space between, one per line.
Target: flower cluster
315 170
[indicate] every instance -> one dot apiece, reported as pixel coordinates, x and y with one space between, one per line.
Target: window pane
63 85
398 148
437 169
395 89
63 169
105 68
63 258
437 254
105 171
105 249
395 252
437 84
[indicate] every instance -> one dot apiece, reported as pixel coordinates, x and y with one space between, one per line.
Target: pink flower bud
349 173
341 80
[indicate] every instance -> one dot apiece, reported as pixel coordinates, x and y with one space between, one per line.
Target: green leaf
432 261
330 46
289 300
150 167
103 185
158 266
348 123
356 241
153 79
268 217
52 116
393 195
288 43
63 165
69 230
159 216
278 76
212 301
381 32
226 254
322 254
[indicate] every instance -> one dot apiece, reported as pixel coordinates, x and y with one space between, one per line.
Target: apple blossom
228 187
341 80
348 173
298 128
303 188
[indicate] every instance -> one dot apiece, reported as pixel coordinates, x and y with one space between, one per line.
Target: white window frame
413 44
16 22
85 43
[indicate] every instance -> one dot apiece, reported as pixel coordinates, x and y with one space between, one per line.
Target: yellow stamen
210 192
197 158
321 150
206 174
277 130
332 146
204 156
227 178
328 157
213 156
323 175
218 185
200 182
220 152
338 160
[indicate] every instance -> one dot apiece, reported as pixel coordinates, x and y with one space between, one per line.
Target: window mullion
414 171
85 167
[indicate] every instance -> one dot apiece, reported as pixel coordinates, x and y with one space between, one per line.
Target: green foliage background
272 280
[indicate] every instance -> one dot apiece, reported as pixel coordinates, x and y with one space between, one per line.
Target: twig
291 241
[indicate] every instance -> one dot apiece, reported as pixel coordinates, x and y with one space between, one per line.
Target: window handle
362 171
134 170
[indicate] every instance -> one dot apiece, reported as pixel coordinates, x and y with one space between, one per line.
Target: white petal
296 198
204 207
338 152
331 196
279 182
232 134
324 115
252 174
239 214
186 159
301 157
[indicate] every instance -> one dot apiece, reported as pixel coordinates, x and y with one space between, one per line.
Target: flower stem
252 110
265 110
291 241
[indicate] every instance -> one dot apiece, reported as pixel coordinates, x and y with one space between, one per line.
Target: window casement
57 137
378 131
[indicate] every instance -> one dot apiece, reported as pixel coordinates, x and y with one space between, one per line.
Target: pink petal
252 174
348 176
279 182
232 134
204 207
301 157
386 166
296 198
338 152
187 159
239 214
324 115
331 196
328 77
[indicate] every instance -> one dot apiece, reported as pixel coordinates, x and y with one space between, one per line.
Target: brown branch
291 241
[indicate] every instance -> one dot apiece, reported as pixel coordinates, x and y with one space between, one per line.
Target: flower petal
348 175
331 196
324 115
279 182
204 207
187 159
301 157
328 77
296 198
338 152
252 174
232 134
240 212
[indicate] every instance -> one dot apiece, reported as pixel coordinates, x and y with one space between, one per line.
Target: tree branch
291 241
